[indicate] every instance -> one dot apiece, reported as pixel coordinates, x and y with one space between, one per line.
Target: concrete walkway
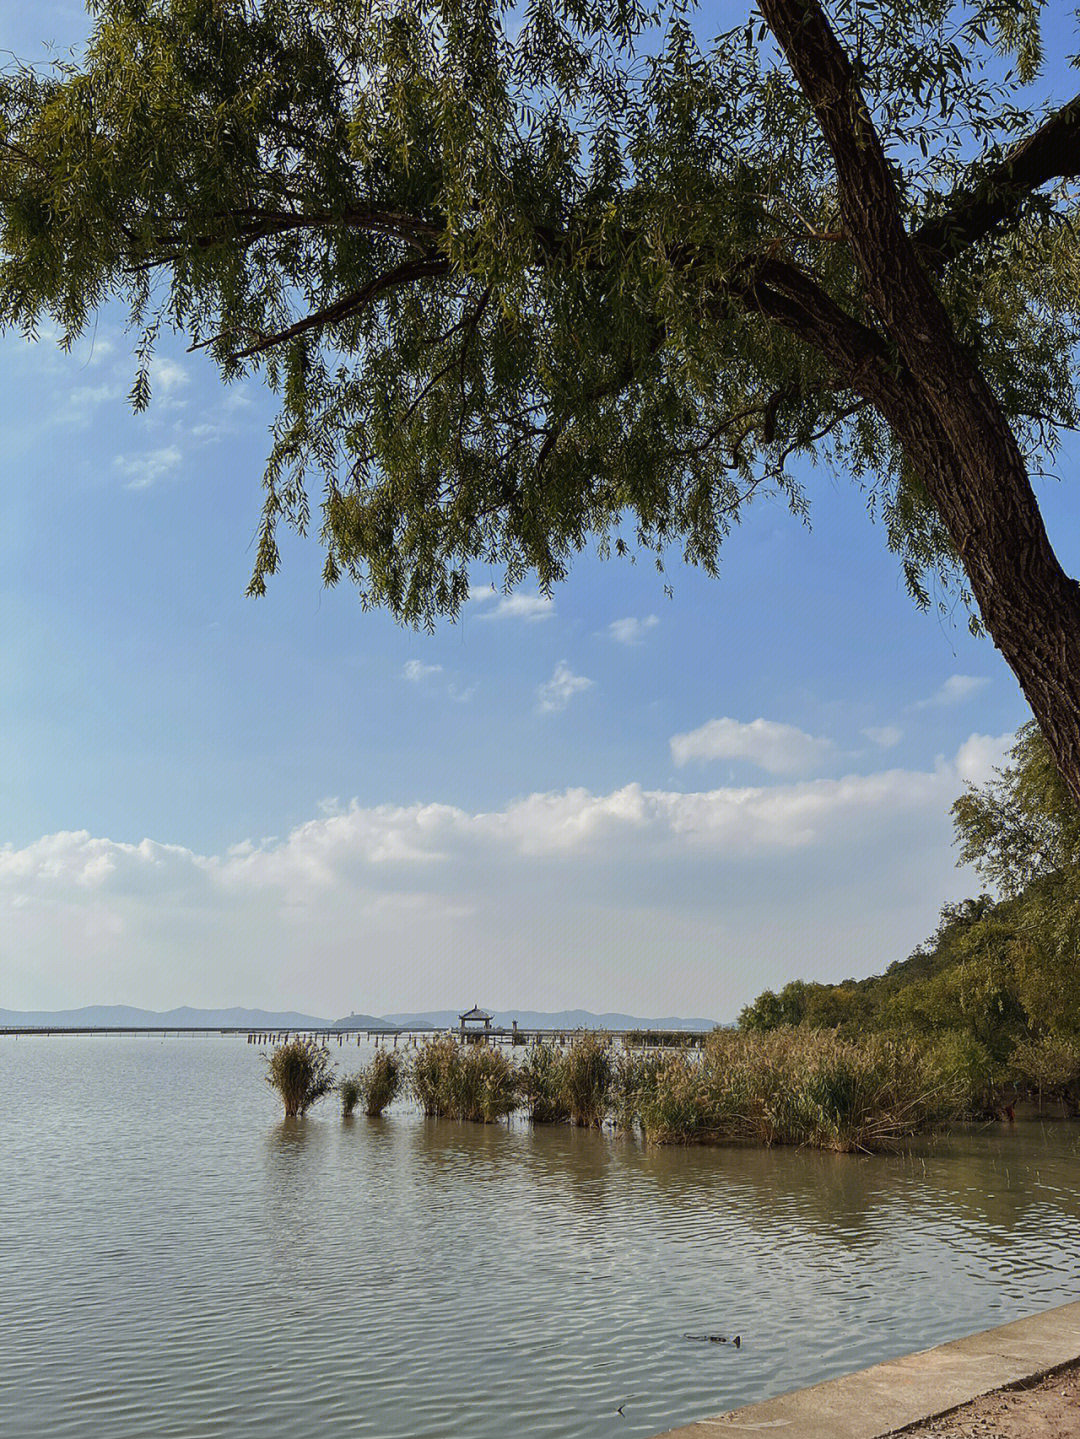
888 1397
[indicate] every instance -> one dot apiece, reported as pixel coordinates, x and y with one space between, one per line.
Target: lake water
175 1260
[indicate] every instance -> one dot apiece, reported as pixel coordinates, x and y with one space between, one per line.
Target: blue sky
617 800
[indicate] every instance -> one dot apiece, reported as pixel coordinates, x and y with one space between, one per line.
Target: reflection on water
176 1260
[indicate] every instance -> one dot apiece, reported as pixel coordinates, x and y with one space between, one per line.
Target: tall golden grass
301 1072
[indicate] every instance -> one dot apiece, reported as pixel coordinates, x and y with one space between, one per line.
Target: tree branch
255 224
347 305
779 291
1052 152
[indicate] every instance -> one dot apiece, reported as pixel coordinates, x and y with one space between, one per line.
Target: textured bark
935 399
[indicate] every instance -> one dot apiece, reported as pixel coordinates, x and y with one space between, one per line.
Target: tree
1022 828
1022 832
523 281
774 1011
1003 972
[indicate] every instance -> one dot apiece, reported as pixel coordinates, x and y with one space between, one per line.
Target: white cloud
168 376
980 755
775 748
416 671
954 691
47 355
142 471
84 400
555 899
884 736
631 631
557 692
520 606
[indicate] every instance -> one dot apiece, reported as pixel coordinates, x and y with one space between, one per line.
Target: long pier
667 1038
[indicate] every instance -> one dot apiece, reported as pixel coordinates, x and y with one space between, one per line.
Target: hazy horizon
253 1014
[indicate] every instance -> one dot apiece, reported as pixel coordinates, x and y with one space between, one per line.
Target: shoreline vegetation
787 1086
980 1020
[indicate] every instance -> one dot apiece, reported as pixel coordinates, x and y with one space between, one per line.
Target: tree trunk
1029 605
936 399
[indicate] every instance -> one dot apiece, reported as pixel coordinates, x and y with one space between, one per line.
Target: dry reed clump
474 1082
540 1085
380 1081
585 1080
432 1076
674 1105
301 1072
568 1085
487 1085
350 1090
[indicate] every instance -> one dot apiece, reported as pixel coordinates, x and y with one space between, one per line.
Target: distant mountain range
123 1016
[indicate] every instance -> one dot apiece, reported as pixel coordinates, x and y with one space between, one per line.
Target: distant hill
363 1021
124 1016
541 1019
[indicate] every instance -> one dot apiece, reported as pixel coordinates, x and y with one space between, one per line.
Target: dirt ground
1047 1409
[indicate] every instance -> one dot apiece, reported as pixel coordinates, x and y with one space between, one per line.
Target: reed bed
301 1072
788 1086
473 1082
800 1087
785 1087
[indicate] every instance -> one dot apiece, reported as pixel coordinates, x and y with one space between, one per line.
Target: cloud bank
646 899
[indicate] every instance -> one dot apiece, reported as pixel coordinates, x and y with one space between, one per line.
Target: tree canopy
1024 825
529 279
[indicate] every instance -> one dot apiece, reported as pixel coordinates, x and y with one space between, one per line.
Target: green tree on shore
527 280
1004 972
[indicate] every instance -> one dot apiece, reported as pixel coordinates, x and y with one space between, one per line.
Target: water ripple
176 1260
